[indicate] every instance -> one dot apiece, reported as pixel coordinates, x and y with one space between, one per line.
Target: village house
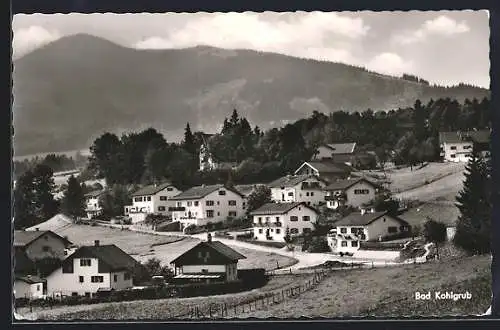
298 188
457 146
207 204
352 192
91 269
326 170
92 207
272 220
152 199
40 244
207 160
366 225
29 287
337 152
208 261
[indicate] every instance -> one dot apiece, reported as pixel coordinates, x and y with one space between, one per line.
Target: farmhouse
457 146
272 220
366 225
298 188
327 170
152 199
207 204
353 192
92 207
338 152
30 287
40 244
208 261
90 269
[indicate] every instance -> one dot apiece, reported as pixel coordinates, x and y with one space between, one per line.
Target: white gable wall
457 152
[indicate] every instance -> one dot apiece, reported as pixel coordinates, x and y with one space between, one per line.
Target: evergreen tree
43 181
73 203
473 201
188 142
234 120
24 196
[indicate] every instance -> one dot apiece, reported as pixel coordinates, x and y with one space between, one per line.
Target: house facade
40 244
457 146
29 287
91 269
272 220
152 199
366 225
298 188
92 207
353 192
207 204
338 152
326 170
208 261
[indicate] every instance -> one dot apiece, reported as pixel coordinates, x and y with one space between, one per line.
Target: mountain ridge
103 86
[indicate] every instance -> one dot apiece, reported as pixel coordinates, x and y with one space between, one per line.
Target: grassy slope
390 291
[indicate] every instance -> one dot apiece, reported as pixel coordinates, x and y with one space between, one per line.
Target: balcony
268 224
176 209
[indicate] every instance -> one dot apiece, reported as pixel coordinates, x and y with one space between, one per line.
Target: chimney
209 237
363 211
96 242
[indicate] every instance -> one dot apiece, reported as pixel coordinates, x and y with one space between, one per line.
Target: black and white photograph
221 166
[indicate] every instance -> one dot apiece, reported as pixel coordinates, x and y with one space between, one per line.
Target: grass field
390 291
447 214
157 309
443 189
166 248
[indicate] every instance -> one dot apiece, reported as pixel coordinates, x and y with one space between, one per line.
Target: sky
443 47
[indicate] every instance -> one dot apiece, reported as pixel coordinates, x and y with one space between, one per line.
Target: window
231 214
294 218
204 270
392 229
148 198
354 243
222 192
170 189
46 248
138 199
354 230
361 191
260 231
218 213
232 203
161 208
306 218
307 194
277 219
65 252
189 203
312 193
453 156
218 203
344 243
97 279
163 198
453 148
294 231
179 204
267 219
209 203
343 230
126 276
210 213
38 287
80 279
278 231
115 278
196 203
85 262
259 219
290 194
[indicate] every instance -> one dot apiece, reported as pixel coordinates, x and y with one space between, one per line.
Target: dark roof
327 167
342 148
22 263
225 251
151 189
201 191
30 279
289 180
111 255
95 193
279 208
358 219
482 136
24 238
347 183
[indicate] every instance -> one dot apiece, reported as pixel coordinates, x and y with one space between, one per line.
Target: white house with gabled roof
354 192
152 199
298 188
92 207
272 220
205 204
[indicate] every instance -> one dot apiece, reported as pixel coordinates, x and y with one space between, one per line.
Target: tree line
57 163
